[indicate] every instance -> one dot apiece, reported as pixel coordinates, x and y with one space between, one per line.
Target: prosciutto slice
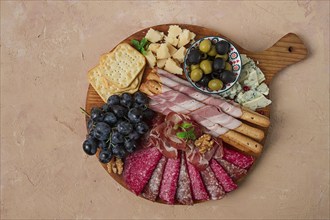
183 86
208 112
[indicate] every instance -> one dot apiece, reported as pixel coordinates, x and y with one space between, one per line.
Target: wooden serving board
286 51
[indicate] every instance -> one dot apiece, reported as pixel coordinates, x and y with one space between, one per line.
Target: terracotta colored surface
46 50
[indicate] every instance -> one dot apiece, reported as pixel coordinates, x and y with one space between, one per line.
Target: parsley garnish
140 45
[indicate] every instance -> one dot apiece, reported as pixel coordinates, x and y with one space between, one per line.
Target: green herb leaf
143 42
143 51
136 44
181 135
185 125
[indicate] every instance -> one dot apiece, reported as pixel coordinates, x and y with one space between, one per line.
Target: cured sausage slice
139 166
223 178
213 187
233 171
198 188
183 193
170 180
151 190
237 158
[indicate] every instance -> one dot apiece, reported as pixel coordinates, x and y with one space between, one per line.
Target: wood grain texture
286 51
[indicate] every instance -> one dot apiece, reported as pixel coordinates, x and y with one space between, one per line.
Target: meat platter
224 171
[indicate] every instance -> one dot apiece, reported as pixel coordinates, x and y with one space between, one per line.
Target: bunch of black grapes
117 125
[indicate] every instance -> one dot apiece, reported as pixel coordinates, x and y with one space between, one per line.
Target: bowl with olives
212 65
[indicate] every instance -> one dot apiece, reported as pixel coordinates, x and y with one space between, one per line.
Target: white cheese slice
252 80
161 63
261 76
258 102
172 40
192 35
154 36
153 47
184 38
179 55
171 49
163 52
150 58
263 88
172 67
174 31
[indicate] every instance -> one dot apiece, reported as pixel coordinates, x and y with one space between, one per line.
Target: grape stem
84 112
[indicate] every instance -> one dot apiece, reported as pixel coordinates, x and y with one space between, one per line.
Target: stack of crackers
119 71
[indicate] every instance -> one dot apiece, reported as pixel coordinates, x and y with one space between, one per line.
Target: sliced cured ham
151 190
241 160
183 192
139 167
183 86
212 185
224 179
170 180
235 172
208 112
198 188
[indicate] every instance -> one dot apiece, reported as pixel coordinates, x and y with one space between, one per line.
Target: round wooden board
288 50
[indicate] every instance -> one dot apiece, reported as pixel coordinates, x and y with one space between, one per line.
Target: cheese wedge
179 55
154 36
163 52
172 67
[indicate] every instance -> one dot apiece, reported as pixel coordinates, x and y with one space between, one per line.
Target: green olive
215 84
212 52
194 66
205 45
228 67
224 57
196 74
206 66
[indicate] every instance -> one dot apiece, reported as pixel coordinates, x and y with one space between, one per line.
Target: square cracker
122 65
105 88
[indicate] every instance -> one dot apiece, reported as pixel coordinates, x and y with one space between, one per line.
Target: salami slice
183 193
170 180
151 190
213 187
198 188
223 178
233 171
139 166
237 158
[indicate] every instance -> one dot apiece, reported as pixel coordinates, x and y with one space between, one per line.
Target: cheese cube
153 47
184 38
161 63
179 55
171 49
192 35
174 31
172 40
163 52
172 67
261 76
150 58
154 36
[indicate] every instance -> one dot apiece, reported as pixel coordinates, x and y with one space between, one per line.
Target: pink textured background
47 49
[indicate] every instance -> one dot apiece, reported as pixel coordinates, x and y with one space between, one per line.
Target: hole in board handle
290 49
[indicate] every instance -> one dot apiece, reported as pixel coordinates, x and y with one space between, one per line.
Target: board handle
288 50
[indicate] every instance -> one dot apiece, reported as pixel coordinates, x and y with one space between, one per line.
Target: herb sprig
140 45
188 131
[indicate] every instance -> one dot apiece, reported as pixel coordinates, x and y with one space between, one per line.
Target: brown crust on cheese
242 142
255 118
250 131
